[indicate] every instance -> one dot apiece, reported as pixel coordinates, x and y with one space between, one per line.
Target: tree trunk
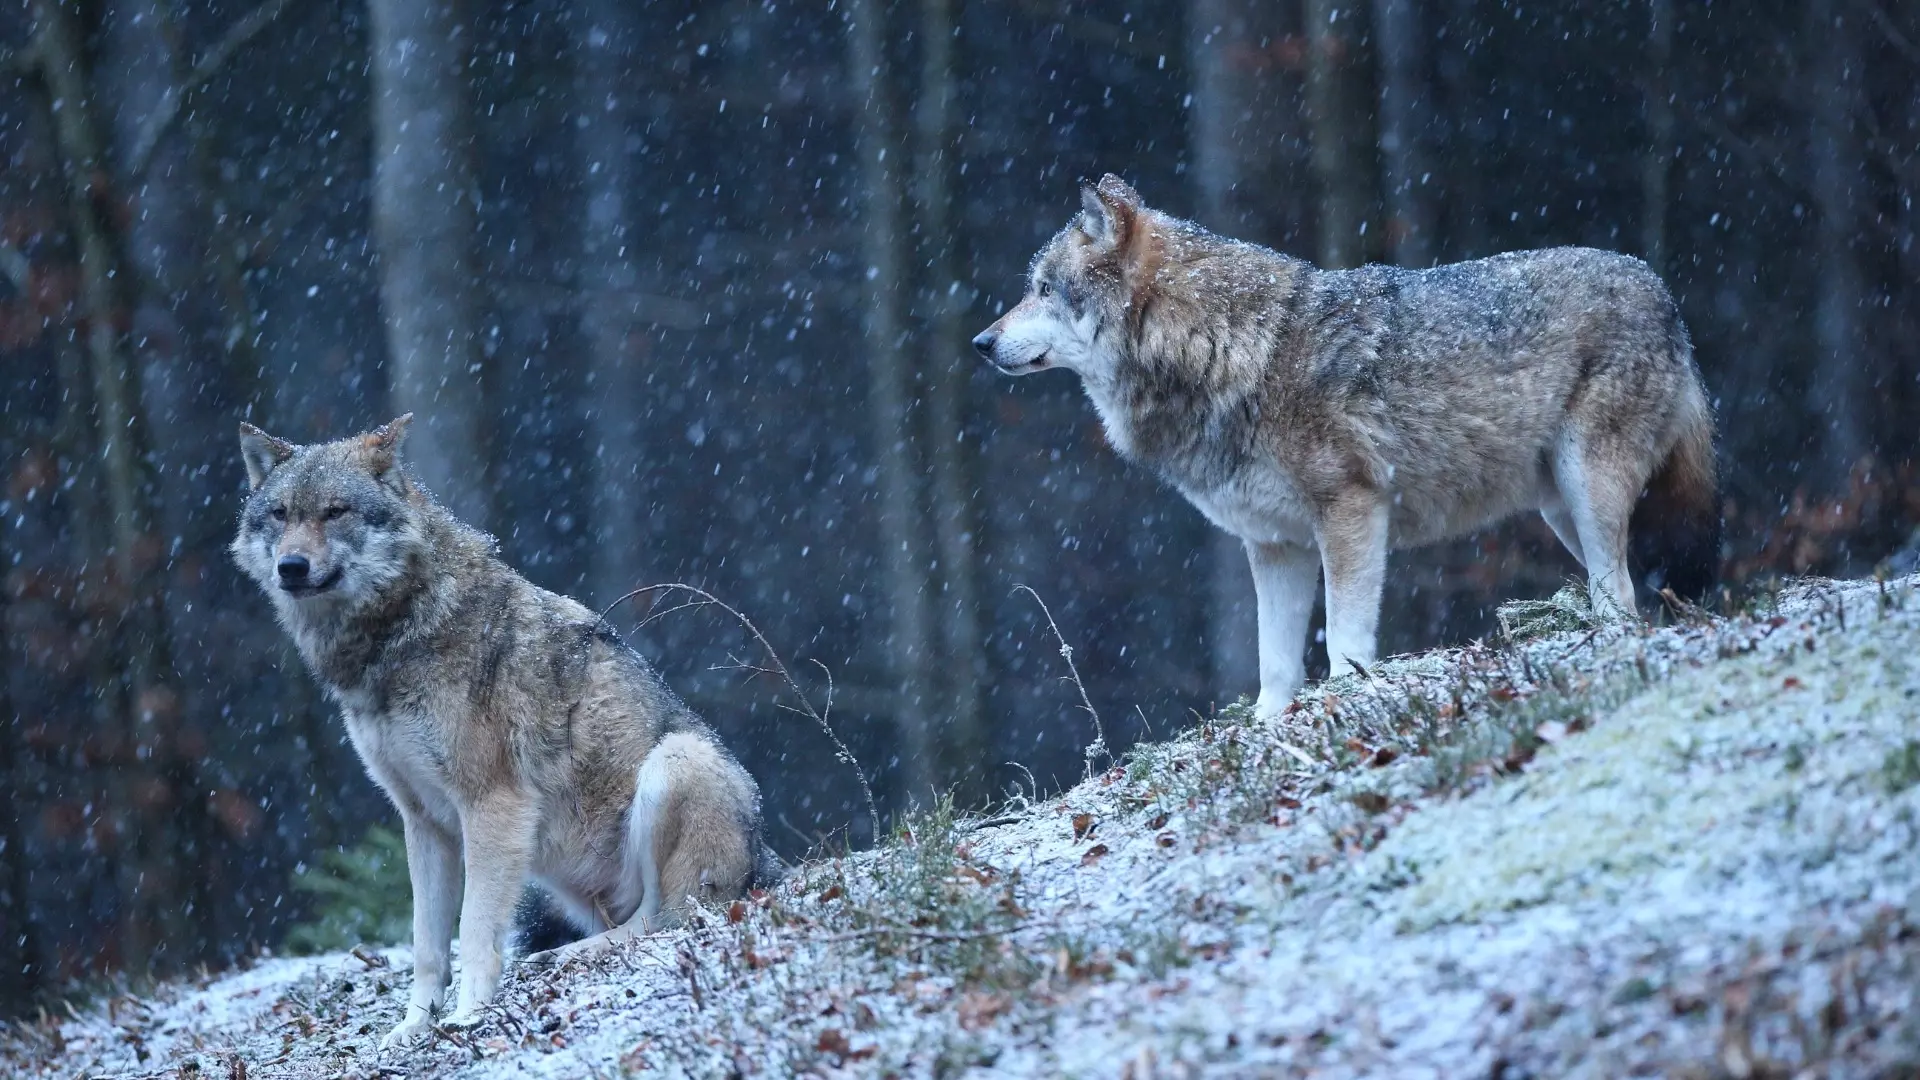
889 388
1656 167
1465 195
153 915
950 366
16 918
1333 38
424 223
1221 133
606 38
1404 111
1839 378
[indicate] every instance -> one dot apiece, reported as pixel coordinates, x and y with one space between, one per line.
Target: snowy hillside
1598 851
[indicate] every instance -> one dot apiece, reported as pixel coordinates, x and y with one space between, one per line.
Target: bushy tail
768 869
1676 525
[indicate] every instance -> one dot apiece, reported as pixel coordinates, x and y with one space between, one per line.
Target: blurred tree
154 792
949 369
1225 127
1405 113
606 40
424 225
1841 372
917 711
1339 138
1462 187
21 975
1656 163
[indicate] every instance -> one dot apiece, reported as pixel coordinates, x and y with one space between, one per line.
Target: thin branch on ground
779 668
1097 748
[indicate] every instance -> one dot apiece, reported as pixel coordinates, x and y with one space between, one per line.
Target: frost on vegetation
1599 850
1567 610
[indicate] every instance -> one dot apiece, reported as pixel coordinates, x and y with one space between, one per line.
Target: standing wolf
512 728
1326 417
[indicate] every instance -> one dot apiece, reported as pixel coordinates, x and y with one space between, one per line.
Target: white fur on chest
1113 417
1261 505
401 756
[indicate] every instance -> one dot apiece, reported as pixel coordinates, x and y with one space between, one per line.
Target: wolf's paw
1270 707
465 1017
409 1033
545 958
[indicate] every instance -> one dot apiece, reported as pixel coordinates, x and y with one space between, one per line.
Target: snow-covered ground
1600 852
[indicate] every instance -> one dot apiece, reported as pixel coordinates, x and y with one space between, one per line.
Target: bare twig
899 929
167 109
779 668
1097 748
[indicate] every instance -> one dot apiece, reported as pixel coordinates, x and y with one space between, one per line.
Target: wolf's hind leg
685 841
1352 533
1284 577
1599 498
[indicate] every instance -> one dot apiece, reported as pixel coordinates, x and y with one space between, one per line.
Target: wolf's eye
279 513
1046 288
336 511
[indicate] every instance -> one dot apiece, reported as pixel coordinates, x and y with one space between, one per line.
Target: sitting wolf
512 728
1325 417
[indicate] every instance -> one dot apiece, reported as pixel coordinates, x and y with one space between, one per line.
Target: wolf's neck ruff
1192 377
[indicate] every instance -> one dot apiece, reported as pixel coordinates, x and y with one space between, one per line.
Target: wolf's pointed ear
261 452
382 444
1108 210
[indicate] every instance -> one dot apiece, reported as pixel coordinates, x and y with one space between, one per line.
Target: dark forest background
682 291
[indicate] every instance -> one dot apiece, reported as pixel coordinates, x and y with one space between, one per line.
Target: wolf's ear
1108 211
382 444
261 452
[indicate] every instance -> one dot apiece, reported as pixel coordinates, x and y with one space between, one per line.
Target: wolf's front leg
499 833
1283 579
433 866
1352 532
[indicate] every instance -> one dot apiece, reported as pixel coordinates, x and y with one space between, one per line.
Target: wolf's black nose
983 342
293 568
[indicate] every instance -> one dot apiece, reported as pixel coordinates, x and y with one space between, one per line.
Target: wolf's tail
768 869
1676 525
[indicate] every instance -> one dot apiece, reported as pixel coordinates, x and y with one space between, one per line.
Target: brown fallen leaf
1383 756
1791 683
736 911
1370 801
1082 826
1093 855
834 1041
985 876
979 1008
1158 821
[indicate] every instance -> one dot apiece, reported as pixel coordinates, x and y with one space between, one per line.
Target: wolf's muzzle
296 576
984 341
